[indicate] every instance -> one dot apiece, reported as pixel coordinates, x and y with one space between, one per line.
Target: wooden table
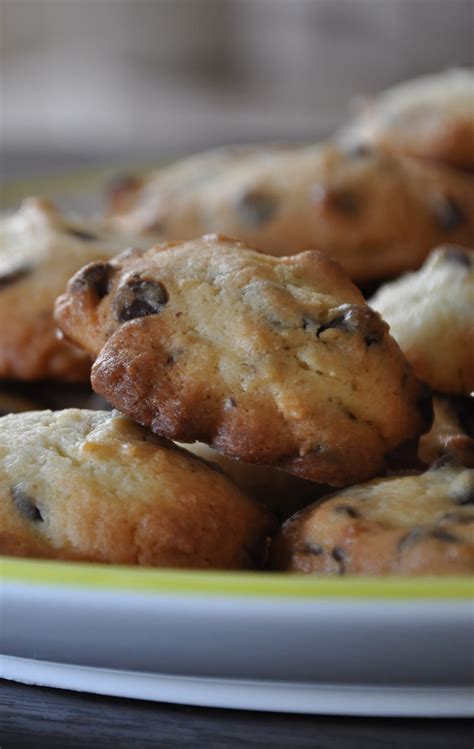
40 718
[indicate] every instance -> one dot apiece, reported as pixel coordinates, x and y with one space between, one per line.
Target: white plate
243 640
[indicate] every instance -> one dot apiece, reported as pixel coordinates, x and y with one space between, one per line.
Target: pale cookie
94 486
269 360
431 117
39 251
410 525
431 315
377 214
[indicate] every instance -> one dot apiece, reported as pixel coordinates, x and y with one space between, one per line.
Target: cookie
274 361
430 314
39 251
375 213
278 490
451 434
431 117
410 525
94 486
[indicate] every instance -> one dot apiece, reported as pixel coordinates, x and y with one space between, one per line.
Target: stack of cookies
248 376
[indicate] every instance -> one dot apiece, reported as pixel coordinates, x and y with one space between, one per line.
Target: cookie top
431 315
94 486
430 117
375 213
452 433
410 525
39 251
270 360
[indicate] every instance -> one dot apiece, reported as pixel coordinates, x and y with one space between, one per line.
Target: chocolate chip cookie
431 315
275 361
39 251
410 525
94 486
431 117
377 214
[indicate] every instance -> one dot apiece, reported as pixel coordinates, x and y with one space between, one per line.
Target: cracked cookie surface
95 486
39 251
275 361
431 315
410 525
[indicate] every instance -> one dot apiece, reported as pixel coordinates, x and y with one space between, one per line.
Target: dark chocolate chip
441 535
457 517
356 318
256 208
339 556
346 510
10 277
449 214
316 549
342 201
95 277
459 256
86 236
26 505
139 297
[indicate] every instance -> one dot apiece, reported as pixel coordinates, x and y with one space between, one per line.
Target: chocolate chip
441 535
346 510
95 277
449 214
10 277
340 200
26 505
339 556
139 297
316 549
459 256
256 208
86 236
457 517
356 318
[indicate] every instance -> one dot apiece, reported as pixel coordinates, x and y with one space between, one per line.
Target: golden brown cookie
39 251
431 117
375 213
94 486
410 525
276 361
450 434
431 315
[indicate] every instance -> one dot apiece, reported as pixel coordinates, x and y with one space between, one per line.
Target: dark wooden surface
40 718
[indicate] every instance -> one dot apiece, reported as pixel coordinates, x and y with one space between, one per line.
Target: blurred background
110 81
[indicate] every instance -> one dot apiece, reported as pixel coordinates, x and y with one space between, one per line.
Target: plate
352 646
349 646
